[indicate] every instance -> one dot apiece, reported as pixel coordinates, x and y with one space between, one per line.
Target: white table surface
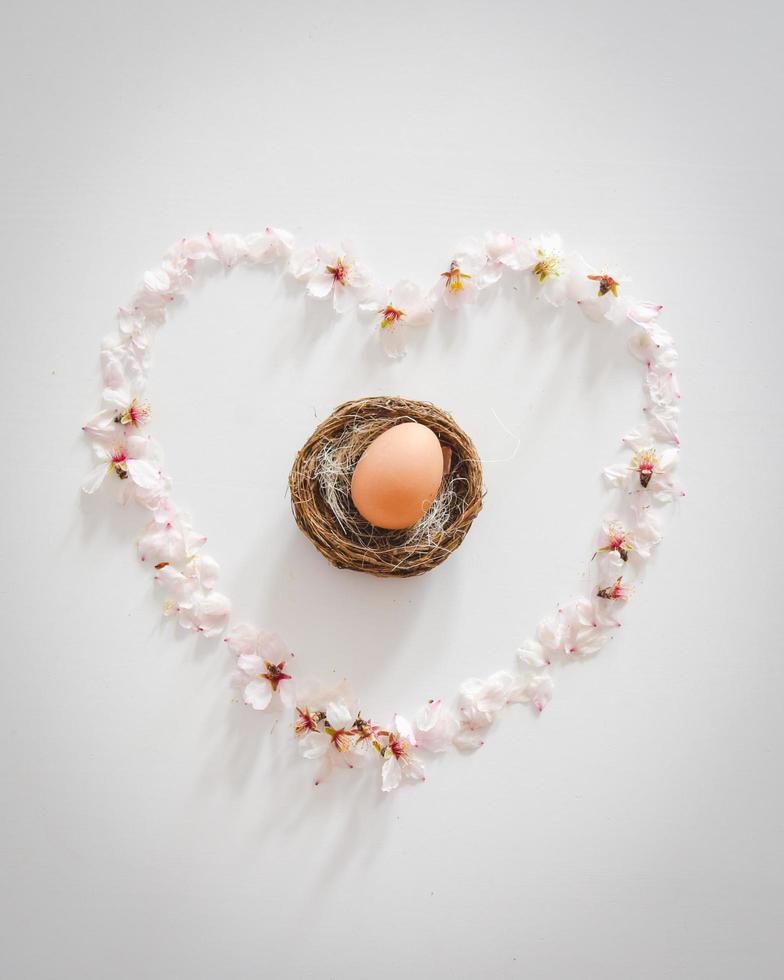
154 829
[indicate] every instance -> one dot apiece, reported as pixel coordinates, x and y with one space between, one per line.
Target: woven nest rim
377 552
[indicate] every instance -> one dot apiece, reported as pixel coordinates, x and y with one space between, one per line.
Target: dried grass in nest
320 486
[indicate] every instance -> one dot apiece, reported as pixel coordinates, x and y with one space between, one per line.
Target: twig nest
320 486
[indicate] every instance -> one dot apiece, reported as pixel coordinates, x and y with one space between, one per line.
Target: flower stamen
338 271
454 278
645 462
606 284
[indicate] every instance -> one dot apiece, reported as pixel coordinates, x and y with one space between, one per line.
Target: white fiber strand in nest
334 470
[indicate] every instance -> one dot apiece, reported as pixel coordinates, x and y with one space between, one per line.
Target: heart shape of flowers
328 723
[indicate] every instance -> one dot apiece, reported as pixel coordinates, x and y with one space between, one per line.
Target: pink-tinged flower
227 249
600 293
124 367
261 661
270 245
460 284
479 702
617 545
649 469
646 528
434 726
654 346
588 618
545 258
307 721
662 388
128 458
644 313
337 274
549 641
127 409
617 591
191 597
137 329
397 309
168 539
535 689
332 740
586 627
663 421
400 761
503 252
205 612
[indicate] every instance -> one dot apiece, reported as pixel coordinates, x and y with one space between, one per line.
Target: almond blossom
270 245
335 272
397 309
616 591
503 252
546 260
649 469
190 595
169 538
400 760
261 662
586 627
461 282
600 293
128 458
654 346
328 736
434 726
479 702
616 544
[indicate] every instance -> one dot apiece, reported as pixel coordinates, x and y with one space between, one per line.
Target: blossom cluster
328 724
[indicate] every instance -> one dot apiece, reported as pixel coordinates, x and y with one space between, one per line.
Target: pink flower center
390 316
338 271
454 278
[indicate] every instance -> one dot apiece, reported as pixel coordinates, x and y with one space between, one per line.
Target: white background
151 828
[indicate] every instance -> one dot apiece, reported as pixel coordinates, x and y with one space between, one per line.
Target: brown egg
398 476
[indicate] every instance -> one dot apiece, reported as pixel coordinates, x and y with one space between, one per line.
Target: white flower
397 309
549 641
434 726
479 702
205 612
336 274
600 293
129 458
124 366
228 249
329 736
261 662
400 762
191 598
535 689
649 469
616 591
644 313
545 258
138 331
654 346
127 409
503 252
269 245
646 528
461 282
168 538
615 545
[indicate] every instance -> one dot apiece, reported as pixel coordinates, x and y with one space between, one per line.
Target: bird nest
320 486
